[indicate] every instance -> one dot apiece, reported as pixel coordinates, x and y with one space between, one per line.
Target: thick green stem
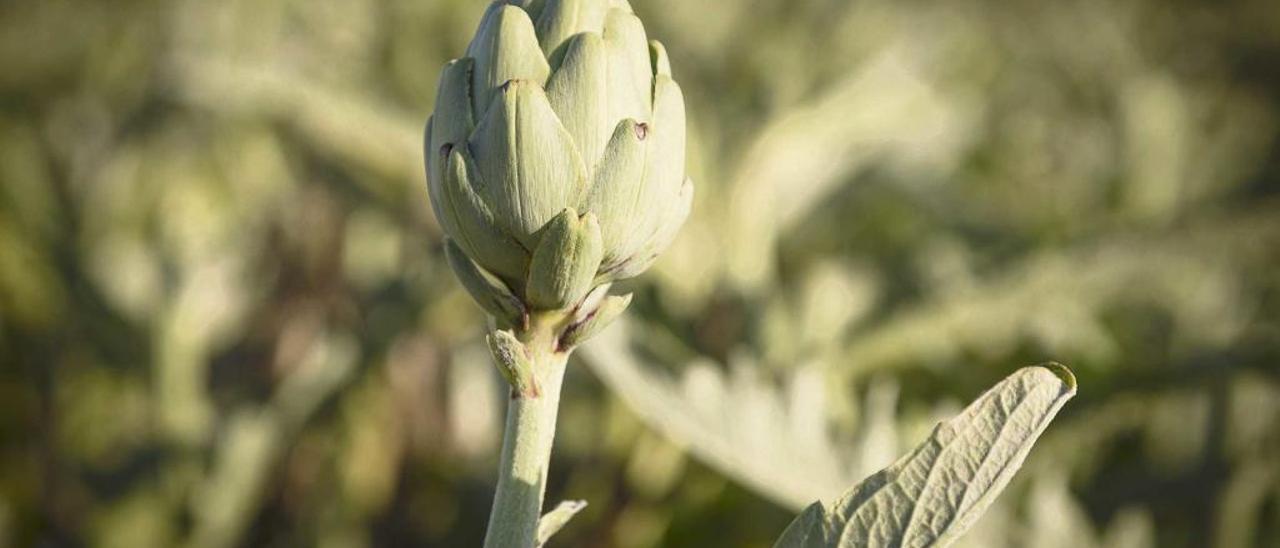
526 447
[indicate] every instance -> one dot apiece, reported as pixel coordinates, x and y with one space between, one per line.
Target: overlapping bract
555 155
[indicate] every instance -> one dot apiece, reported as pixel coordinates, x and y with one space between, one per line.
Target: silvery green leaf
615 189
505 48
808 530
530 167
513 361
933 494
771 440
595 320
565 261
487 290
630 76
578 94
469 220
560 20
552 522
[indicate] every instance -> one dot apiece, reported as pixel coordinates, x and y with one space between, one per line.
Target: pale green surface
513 362
596 320
518 243
526 455
559 107
564 264
488 291
934 494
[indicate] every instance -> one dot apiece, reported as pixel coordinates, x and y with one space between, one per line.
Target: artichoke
555 157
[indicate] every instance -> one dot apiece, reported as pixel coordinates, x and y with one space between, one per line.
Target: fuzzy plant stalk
555 166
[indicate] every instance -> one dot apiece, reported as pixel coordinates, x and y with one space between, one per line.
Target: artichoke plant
555 159
555 165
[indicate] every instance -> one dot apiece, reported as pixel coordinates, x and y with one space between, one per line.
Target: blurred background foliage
225 317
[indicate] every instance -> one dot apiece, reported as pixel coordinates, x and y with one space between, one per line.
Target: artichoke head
555 155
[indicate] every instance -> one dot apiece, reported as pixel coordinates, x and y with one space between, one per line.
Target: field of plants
226 316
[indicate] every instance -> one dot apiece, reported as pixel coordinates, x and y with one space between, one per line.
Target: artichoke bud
555 154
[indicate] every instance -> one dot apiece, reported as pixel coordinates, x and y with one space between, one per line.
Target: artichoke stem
527 438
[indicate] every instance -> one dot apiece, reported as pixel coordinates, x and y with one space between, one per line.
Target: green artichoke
555 155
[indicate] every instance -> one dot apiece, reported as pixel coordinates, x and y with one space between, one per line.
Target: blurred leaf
355 129
800 157
773 441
